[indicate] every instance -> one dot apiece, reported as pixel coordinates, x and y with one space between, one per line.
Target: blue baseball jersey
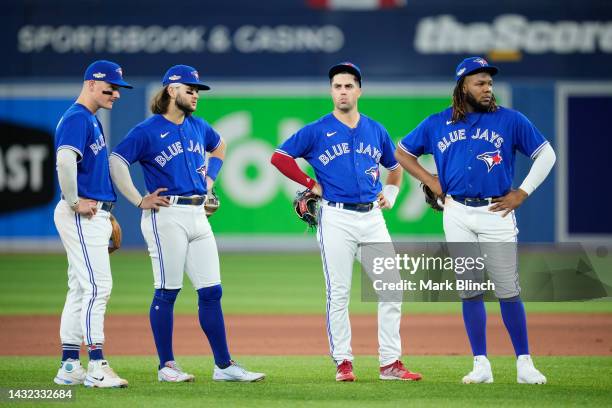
81 131
346 161
171 155
475 157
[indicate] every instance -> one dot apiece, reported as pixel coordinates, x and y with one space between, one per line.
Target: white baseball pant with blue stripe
180 240
89 274
339 234
489 229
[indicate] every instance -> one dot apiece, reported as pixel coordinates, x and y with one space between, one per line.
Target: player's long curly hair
160 102
460 102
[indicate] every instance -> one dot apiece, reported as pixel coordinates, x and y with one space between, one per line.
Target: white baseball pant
89 274
496 236
180 239
339 234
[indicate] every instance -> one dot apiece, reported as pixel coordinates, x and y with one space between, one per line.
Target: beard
477 106
184 106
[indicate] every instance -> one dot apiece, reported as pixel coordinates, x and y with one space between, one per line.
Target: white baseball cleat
236 373
481 373
171 372
70 373
526 373
101 375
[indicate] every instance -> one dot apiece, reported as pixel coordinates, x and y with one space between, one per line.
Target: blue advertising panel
290 38
583 144
27 166
588 145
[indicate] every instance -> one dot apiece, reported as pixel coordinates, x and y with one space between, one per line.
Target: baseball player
171 147
474 143
82 220
346 148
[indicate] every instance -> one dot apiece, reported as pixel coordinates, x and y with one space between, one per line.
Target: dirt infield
550 334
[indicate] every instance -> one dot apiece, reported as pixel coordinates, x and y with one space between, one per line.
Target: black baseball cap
346 67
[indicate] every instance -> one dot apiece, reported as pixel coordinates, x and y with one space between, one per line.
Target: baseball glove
306 204
212 203
115 235
431 199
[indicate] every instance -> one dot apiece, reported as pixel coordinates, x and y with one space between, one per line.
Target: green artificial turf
309 381
252 284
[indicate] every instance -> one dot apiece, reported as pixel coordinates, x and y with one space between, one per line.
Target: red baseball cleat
344 372
397 371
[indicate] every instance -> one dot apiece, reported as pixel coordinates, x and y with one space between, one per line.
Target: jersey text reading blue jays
475 157
346 161
168 151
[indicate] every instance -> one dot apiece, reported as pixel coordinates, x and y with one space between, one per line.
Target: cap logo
174 77
461 71
99 75
195 74
481 61
119 71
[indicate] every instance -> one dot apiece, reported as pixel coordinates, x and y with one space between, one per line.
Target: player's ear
171 91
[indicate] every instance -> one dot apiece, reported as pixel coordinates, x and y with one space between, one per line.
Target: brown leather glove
115 235
306 204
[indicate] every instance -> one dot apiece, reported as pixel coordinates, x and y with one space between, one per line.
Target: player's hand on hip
508 202
383 202
435 186
317 189
86 207
154 200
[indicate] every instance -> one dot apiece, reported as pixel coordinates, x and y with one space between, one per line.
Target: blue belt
472 201
359 207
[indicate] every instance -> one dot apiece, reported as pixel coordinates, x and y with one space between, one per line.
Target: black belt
359 207
198 200
106 205
472 201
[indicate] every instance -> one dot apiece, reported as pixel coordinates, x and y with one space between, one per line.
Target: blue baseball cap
346 67
184 74
107 71
473 65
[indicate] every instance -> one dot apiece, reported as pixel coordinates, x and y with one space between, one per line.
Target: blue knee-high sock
70 351
95 351
475 320
513 314
161 316
211 321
